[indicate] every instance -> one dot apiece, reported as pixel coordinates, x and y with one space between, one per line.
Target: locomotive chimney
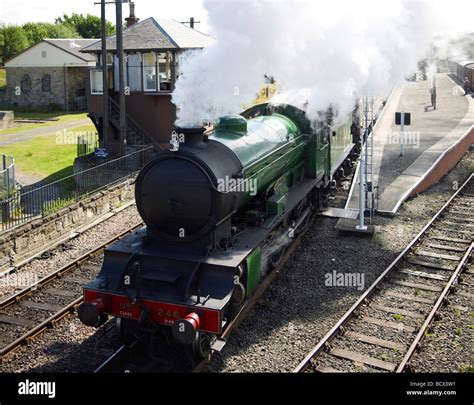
192 136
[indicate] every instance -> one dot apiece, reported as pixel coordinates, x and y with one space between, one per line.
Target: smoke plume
330 51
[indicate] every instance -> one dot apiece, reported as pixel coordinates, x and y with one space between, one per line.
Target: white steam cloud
331 51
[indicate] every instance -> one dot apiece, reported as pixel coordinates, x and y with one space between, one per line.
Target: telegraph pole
119 41
105 86
191 22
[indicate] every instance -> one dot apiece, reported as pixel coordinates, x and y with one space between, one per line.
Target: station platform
434 142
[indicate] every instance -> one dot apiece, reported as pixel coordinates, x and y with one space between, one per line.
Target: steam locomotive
220 211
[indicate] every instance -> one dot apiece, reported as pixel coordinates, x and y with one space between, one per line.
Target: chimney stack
132 19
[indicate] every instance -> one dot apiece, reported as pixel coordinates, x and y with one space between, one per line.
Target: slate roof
151 34
73 46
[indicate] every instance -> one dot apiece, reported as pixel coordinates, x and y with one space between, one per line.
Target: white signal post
402 131
361 226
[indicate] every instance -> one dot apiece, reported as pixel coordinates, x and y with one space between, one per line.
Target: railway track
384 328
127 355
39 306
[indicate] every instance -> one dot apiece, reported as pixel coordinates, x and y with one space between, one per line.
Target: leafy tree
87 26
36 32
12 41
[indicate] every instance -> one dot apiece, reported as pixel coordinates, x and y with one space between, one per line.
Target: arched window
26 83
46 84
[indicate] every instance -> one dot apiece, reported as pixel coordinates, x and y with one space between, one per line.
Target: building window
164 68
97 85
116 73
149 71
46 84
26 83
109 59
134 72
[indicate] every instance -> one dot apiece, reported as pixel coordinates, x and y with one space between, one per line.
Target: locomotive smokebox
192 136
178 195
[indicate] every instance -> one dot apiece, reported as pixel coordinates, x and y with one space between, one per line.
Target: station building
151 56
51 73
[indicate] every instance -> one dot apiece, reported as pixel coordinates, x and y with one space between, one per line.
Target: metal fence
28 204
7 176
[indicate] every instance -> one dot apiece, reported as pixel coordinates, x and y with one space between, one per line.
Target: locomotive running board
254 236
247 241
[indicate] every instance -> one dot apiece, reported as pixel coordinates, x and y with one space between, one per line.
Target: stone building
50 73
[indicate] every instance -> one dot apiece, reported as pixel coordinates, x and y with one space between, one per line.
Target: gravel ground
298 308
68 347
67 252
294 312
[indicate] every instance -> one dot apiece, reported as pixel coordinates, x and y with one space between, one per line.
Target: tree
12 41
87 26
36 32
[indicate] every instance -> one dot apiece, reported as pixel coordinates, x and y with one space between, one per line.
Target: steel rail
66 268
411 351
38 329
67 309
306 362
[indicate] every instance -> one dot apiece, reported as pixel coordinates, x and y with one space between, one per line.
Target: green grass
466 368
62 117
458 331
43 156
429 333
3 77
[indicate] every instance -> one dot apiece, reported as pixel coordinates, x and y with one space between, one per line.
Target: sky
22 11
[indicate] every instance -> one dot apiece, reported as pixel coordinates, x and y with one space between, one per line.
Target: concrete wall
446 163
6 119
31 238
